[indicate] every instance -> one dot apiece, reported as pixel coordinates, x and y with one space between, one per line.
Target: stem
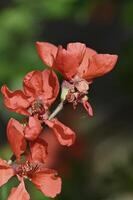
57 110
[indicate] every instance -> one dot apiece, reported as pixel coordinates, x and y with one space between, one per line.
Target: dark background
100 165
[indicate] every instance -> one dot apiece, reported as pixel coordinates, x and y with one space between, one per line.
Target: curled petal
47 182
33 129
6 172
32 84
19 193
15 101
63 133
100 64
88 107
47 52
50 86
38 150
67 61
16 138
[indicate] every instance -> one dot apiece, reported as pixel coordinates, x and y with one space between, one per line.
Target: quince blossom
40 89
79 65
33 168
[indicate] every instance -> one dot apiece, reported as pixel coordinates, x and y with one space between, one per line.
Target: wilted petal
33 84
19 193
47 52
15 137
63 133
38 150
88 107
15 101
100 64
33 128
50 87
6 172
68 61
47 182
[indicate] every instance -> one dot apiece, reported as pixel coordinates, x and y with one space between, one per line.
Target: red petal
41 85
67 61
88 107
48 182
50 86
32 84
38 150
85 62
19 193
47 52
6 172
63 133
100 64
15 101
16 138
33 129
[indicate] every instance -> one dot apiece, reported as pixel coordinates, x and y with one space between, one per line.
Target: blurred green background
100 165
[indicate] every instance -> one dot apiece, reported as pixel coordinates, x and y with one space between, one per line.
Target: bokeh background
100 164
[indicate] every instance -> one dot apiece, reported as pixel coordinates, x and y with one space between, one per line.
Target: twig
57 110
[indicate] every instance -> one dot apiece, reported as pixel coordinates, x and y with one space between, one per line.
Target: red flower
46 180
77 59
40 91
79 65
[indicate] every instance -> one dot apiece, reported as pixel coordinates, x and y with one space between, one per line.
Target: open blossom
76 60
33 168
40 89
79 65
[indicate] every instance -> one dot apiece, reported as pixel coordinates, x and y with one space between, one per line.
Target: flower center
37 108
26 169
75 90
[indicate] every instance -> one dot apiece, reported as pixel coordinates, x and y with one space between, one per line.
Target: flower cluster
79 66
